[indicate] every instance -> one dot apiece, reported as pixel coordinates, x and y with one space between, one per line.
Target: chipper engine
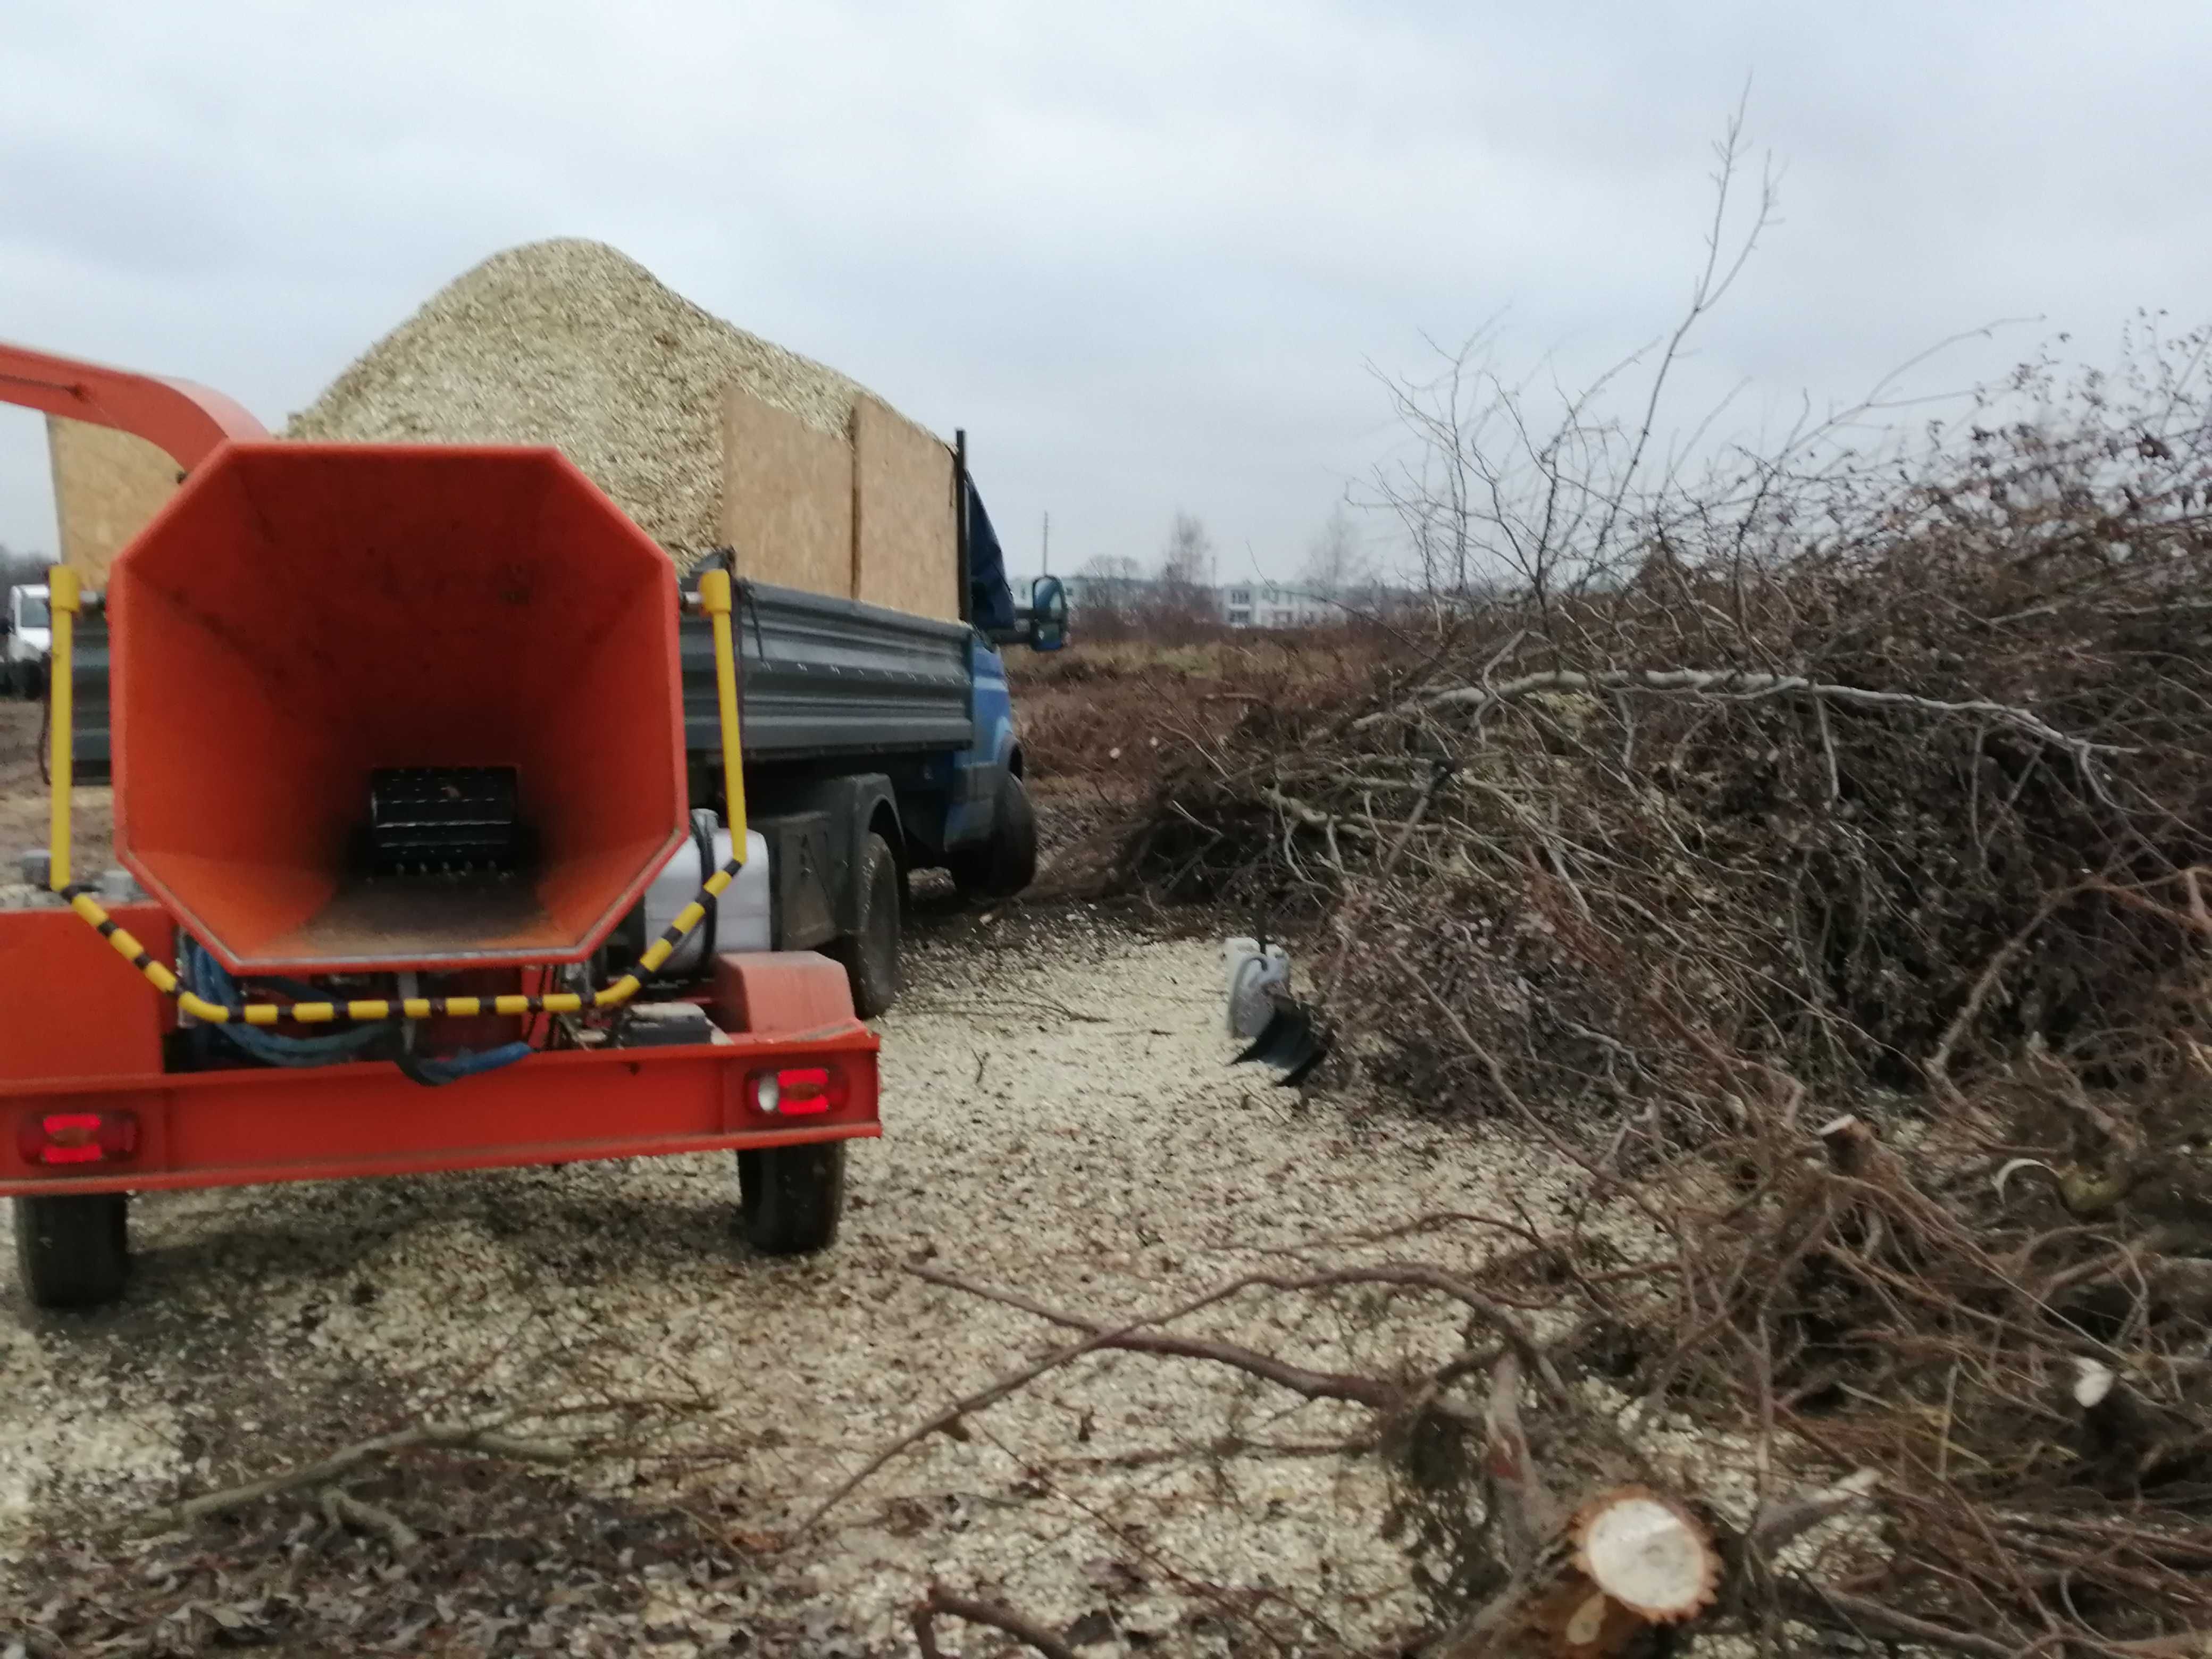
398 746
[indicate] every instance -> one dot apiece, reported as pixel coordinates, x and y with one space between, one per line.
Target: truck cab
30 638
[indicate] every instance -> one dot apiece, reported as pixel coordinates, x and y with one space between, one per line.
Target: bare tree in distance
1337 568
1110 597
1182 595
1190 551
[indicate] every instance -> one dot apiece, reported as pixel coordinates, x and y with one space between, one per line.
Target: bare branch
943 1603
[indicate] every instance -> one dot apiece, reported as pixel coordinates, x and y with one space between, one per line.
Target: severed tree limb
2196 918
2188 1645
1312 817
1777 1525
1367 1391
484 1437
342 1509
1938 1067
1742 685
948 1420
942 1603
1830 1609
1524 1509
1412 1275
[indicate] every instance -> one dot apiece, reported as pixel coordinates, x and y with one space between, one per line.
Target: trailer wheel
791 1198
73 1250
872 955
1007 863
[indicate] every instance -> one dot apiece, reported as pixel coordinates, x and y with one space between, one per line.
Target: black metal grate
444 820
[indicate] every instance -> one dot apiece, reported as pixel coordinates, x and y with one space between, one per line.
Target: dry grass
1103 713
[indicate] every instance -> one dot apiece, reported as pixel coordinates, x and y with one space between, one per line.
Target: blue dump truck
876 743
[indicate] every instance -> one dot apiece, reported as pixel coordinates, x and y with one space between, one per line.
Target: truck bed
820 677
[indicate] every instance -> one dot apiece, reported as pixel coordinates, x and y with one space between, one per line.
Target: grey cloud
1146 252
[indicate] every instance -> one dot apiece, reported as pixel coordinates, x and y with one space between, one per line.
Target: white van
30 637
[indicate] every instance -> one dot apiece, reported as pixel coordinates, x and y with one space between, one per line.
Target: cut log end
1850 1143
1647 1554
2093 1383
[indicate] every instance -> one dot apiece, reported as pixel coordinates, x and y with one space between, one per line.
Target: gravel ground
573 343
1058 1119
1105 1165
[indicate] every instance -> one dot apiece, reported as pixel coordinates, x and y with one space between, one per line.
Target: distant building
1238 604
1271 604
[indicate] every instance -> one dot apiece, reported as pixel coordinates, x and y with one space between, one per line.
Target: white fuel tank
739 921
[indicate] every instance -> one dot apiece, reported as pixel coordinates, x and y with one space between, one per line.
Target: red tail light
53 1139
799 1090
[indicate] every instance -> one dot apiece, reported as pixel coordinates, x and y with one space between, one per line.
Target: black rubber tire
73 1250
872 955
790 1199
1007 863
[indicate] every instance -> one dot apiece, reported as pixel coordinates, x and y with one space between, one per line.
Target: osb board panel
905 547
106 484
786 498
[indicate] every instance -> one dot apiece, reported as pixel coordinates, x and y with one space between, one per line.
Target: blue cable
435 1071
199 969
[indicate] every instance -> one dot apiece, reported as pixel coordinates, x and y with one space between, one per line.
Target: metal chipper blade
1278 1030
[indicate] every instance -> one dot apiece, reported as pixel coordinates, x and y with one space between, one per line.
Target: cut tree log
1631 1562
2136 1438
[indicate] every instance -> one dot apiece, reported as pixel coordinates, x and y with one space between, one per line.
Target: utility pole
1046 555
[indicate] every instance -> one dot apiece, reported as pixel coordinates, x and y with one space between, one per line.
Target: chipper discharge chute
398 749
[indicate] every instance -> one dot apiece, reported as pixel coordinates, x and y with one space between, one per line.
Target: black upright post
960 521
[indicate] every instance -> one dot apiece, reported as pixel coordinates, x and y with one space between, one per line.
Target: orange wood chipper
398 750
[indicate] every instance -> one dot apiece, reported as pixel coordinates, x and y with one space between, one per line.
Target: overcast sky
1150 254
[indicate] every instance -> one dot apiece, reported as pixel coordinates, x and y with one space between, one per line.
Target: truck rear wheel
790 1199
1007 863
871 956
73 1249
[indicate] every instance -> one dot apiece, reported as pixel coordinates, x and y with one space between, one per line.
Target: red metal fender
781 990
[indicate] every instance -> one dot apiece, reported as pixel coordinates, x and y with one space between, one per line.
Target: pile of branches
1818 852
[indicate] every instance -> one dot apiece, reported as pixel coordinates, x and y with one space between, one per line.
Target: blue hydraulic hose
435 1071
198 969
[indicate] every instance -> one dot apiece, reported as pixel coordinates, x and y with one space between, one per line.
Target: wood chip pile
573 343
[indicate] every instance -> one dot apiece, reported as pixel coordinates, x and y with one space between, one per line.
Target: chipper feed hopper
397 746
